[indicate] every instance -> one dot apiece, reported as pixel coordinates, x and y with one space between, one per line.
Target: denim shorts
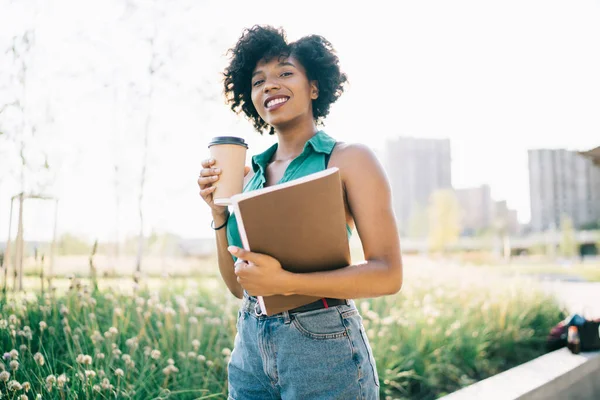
320 354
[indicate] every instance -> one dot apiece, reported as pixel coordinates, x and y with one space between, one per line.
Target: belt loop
257 309
286 317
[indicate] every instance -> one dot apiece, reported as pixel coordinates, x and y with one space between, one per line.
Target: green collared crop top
314 158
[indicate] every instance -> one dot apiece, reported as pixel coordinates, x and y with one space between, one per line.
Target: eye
258 82
287 73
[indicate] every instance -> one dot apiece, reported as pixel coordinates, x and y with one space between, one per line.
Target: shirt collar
319 143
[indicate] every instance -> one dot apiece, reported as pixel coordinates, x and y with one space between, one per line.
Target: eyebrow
281 64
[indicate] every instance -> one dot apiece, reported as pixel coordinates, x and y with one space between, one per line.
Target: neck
291 140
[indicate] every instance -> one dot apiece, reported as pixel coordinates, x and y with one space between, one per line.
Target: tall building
562 182
416 168
477 209
506 218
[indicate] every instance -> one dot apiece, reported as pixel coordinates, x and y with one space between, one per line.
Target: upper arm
369 199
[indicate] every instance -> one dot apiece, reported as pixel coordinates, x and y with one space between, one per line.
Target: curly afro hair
258 43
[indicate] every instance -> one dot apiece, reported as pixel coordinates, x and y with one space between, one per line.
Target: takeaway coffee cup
229 153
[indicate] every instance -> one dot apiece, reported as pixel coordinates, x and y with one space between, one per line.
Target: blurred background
479 112
484 115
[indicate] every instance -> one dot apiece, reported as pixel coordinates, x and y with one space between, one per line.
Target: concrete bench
558 375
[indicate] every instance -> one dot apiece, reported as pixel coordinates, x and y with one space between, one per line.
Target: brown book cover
301 223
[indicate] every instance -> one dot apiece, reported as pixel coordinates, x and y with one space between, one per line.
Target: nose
270 85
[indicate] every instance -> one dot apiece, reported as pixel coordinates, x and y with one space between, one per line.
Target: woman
318 351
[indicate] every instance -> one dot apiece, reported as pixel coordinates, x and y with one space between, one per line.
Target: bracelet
212 223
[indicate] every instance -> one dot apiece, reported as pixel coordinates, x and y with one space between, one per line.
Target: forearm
226 267
369 279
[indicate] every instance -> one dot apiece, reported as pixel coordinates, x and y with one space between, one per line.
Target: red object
325 303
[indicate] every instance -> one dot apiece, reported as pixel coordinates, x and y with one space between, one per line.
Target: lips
274 101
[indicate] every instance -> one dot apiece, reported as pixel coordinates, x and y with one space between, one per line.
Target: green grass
444 330
590 273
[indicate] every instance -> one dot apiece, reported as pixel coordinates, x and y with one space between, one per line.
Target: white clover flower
96 388
96 337
126 358
195 344
100 356
38 397
23 397
101 374
113 331
50 379
118 312
191 354
14 386
106 384
155 354
3 323
63 310
170 361
170 311
199 311
181 354
39 359
119 372
26 386
92 316
209 363
61 380
193 320
132 343
4 376
14 365
90 373
14 354
116 352
226 352
171 369
12 319
23 348
43 326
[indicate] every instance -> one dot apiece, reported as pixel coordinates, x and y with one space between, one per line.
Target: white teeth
275 102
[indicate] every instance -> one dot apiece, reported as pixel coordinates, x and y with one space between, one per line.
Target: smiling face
281 91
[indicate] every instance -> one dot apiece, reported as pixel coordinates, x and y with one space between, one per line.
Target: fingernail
217 170
232 249
214 178
212 160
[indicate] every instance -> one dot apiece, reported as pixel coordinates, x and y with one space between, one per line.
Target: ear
314 90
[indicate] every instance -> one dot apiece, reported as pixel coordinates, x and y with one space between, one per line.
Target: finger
207 191
246 170
210 171
208 162
245 255
203 181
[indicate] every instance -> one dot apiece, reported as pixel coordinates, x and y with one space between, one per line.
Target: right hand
208 176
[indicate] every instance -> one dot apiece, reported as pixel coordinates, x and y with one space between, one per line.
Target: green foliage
444 220
418 222
434 337
568 246
69 244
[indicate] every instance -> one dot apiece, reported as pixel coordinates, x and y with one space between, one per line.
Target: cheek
257 105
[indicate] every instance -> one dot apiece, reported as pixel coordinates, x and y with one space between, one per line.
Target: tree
417 222
568 242
444 220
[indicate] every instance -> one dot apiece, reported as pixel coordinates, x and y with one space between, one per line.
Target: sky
495 77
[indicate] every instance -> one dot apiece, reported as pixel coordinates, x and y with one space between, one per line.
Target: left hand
260 274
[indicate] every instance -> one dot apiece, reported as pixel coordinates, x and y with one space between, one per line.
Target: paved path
578 297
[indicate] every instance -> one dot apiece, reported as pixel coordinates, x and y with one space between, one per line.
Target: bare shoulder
351 156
